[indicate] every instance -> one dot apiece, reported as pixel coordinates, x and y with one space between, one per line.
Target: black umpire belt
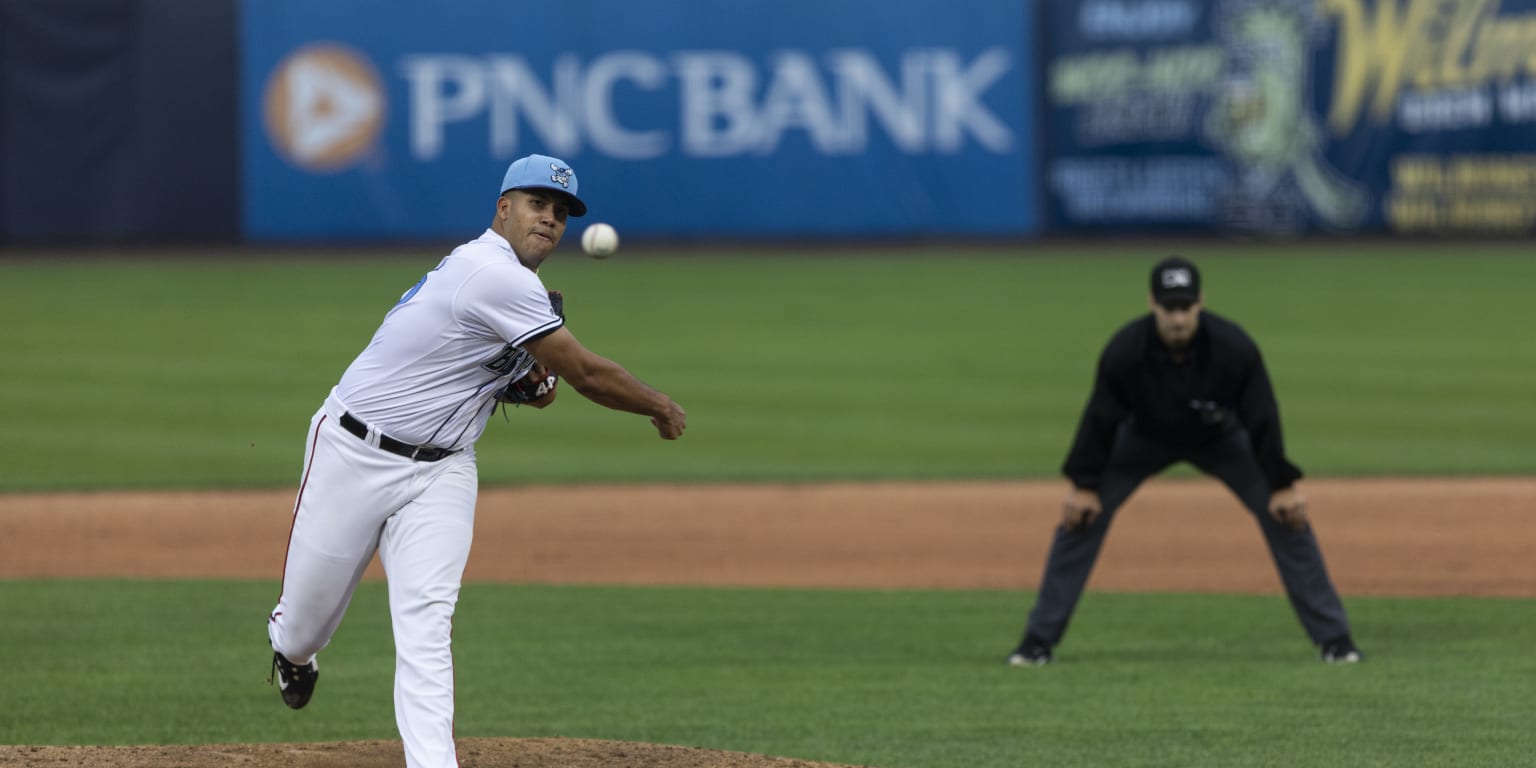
412 452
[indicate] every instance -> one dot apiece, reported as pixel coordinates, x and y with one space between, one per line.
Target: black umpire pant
1133 459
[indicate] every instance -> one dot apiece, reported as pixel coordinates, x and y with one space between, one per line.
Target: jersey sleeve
1107 406
507 301
1259 413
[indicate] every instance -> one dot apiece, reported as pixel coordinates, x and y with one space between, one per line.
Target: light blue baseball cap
545 172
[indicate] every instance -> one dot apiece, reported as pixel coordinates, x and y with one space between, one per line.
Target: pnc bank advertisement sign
682 120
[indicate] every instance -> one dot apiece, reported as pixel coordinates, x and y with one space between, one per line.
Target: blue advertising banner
1280 117
684 119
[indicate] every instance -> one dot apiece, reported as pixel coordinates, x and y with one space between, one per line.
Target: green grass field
891 679
800 366
1389 359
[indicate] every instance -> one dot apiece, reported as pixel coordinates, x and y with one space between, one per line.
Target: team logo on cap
323 107
561 176
1177 277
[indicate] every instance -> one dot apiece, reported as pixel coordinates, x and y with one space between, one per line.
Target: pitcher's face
532 221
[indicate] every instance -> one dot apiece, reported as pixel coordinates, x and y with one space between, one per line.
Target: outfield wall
1279 117
297 120
118 121
790 117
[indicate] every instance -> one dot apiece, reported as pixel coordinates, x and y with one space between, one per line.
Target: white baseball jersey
431 373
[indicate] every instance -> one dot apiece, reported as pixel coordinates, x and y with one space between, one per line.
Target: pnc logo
323 107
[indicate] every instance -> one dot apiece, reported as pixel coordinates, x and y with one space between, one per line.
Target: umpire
1182 384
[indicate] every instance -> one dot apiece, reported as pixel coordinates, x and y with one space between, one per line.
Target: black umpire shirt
1218 385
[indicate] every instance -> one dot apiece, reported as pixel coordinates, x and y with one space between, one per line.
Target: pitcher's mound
473 753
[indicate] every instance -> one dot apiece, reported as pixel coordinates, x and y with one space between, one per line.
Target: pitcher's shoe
296 682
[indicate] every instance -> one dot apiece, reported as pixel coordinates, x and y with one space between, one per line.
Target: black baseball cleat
296 683
1032 652
1341 650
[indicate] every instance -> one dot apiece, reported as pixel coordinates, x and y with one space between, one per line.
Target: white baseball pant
355 499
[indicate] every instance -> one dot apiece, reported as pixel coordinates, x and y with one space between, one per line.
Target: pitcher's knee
296 641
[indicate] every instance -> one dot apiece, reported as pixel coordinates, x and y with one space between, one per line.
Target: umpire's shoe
296 683
1341 650
1032 652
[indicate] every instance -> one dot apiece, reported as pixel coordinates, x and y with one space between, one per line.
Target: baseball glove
538 381
534 384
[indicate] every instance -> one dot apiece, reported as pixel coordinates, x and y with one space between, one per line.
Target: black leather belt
412 452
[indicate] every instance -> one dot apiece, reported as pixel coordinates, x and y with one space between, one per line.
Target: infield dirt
1409 537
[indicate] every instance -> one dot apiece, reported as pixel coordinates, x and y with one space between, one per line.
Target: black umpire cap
1175 279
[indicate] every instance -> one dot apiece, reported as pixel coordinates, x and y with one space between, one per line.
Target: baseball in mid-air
600 240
